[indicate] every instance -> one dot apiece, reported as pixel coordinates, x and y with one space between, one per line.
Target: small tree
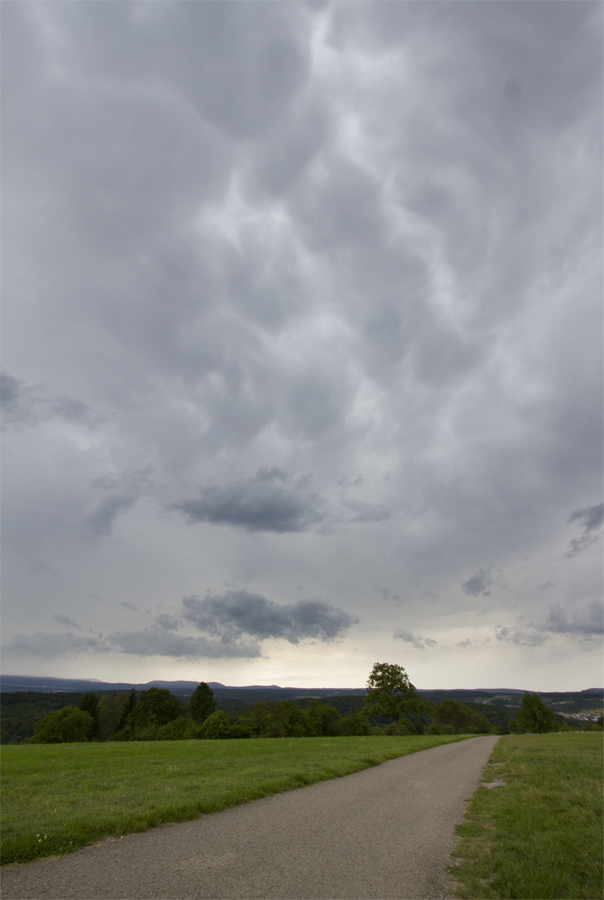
202 703
535 716
63 726
390 693
90 704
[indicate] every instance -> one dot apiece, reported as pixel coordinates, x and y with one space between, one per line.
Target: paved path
382 833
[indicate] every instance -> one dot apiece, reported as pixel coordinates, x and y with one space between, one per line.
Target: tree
127 710
202 703
354 724
321 718
535 716
156 706
390 693
111 707
63 726
90 704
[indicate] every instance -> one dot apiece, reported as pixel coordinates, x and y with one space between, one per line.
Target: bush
437 728
216 726
181 729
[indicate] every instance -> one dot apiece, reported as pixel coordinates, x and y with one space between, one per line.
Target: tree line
156 714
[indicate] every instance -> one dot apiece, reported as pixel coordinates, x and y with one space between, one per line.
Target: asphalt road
382 833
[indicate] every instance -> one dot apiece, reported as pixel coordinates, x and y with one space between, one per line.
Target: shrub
216 726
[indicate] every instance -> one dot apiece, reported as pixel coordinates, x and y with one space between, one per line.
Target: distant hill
251 691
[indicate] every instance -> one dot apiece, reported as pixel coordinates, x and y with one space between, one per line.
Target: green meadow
538 836
58 797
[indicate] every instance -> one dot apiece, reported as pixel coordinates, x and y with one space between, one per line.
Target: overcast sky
302 338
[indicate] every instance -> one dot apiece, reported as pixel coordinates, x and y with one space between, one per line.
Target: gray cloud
168 622
162 642
236 612
419 642
523 637
368 512
269 501
47 645
479 583
30 405
120 493
156 641
64 620
591 519
584 618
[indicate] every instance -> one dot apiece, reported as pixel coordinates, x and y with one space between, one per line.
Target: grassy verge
540 835
57 797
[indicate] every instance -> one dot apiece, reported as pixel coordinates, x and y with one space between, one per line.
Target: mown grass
57 797
540 835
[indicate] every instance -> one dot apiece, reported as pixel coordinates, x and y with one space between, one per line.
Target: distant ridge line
49 684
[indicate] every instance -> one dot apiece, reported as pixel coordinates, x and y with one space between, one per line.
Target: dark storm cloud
479 583
586 618
343 238
237 612
591 519
30 405
269 501
416 640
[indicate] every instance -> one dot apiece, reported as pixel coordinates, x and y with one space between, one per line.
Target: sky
302 342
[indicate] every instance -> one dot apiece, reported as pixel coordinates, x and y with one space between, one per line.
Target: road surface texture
385 832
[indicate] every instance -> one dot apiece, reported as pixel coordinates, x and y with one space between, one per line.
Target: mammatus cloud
242 612
30 405
591 519
270 501
583 619
419 642
479 583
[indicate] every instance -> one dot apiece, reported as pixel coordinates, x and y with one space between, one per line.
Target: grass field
57 797
540 835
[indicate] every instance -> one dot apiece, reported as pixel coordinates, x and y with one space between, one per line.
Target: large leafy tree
390 693
535 716
63 726
202 703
